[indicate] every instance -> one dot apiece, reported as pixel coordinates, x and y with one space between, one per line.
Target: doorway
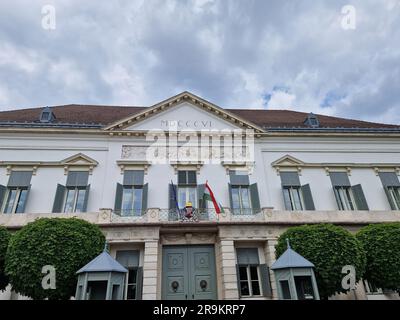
189 273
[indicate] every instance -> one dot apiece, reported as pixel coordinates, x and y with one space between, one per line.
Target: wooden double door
188 273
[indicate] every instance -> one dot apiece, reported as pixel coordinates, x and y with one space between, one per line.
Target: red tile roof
105 115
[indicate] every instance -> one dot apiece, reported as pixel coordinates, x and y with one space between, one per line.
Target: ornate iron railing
164 215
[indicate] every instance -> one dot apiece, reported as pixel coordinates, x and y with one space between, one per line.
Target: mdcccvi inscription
198 124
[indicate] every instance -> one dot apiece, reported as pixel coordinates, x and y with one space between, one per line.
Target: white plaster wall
107 150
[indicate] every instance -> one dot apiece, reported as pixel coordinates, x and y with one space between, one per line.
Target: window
132 284
74 196
370 288
16 200
285 289
130 260
75 199
293 198
131 196
132 200
13 198
249 280
241 203
394 197
187 194
304 288
248 272
345 198
187 188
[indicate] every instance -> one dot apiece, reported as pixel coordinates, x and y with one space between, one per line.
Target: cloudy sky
299 55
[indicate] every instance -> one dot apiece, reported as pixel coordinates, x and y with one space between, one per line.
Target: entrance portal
189 273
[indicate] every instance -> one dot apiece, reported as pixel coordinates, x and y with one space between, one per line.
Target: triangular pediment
186 111
287 161
79 159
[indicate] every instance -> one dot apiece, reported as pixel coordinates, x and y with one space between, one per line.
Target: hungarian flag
209 196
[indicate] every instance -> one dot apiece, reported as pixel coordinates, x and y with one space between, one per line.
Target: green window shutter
144 197
200 193
265 281
286 199
255 200
59 199
118 198
230 195
307 197
359 197
238 279
139 283
85 202
22 210
390 199
3 191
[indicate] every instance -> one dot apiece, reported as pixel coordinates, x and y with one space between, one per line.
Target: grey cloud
233 53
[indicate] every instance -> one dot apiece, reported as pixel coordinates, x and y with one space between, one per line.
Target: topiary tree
329 248
382 246
5 236
66 244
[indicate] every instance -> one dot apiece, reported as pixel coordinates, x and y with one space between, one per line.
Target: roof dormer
312 120
47 115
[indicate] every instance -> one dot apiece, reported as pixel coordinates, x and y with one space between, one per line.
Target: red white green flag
209 196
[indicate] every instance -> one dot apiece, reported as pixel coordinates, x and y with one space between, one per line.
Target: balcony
156 216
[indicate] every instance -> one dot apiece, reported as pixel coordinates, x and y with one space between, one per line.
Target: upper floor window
292 197
391 184
73 197
348 197
13 198
345 199
131 196
296 196
187 187
394 197
243 196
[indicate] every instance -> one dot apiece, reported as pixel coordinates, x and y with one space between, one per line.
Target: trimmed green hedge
66 244
329 248
5 236
382 246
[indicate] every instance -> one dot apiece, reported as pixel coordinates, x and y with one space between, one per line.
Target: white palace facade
120 168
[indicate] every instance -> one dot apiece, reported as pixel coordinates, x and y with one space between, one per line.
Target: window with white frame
187 187
13 198
394 194
345 199
249 277
16 199
74 199
132 197
241 200
293 198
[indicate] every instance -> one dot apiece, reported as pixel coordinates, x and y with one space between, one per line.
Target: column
228 270
150 270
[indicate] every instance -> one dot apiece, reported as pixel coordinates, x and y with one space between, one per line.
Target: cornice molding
75 161
290 163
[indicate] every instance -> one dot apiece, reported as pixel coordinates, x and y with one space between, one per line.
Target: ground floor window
249 280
